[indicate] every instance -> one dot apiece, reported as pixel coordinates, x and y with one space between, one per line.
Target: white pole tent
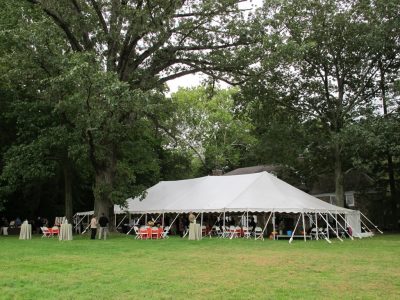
256 193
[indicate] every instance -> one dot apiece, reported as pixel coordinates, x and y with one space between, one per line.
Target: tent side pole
317 233
340 225
304 227
162 221
348 225
376 227
134 225
201 225
329 226
145 219
223 226
265 227
337 231
120 222
316 227
336 222
170 225
247 220
365 225
294 230
273 225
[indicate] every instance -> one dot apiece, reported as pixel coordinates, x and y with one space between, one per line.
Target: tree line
86 121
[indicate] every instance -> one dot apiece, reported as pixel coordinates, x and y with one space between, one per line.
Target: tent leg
304 227
345 230
201 226
316 227
223 226
119 222
329 226
336 222
365 226
317 233
265 227
376 227
273 225
342 227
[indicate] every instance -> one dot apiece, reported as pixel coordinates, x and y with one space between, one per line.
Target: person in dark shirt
103 221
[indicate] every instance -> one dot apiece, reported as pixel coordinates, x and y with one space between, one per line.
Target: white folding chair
258 234
246 232
46 232
165 232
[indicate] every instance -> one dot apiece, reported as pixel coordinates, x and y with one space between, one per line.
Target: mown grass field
124 268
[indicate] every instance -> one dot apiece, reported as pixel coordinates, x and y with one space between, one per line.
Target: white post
304 227
162 222
223 226
316 227
273 225
201 225
115 221
327 226
376 227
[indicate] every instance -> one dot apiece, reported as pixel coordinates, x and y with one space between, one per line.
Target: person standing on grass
93 227
103 221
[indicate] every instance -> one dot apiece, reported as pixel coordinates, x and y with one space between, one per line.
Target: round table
26 231
65 232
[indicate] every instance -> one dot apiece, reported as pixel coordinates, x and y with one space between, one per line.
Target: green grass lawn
124 268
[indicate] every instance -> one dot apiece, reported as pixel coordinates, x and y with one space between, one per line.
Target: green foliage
207 123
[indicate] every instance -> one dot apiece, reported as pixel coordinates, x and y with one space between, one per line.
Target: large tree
321 62
133 48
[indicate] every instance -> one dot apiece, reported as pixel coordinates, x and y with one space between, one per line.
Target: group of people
102 223
6 226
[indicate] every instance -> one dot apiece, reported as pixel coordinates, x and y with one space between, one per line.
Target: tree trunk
68 191
339 181
390 168
103 187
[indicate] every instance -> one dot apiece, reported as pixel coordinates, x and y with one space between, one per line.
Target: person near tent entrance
93 227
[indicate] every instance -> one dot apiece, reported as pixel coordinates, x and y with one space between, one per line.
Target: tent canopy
260 192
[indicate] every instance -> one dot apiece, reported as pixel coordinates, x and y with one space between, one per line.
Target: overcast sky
193 80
